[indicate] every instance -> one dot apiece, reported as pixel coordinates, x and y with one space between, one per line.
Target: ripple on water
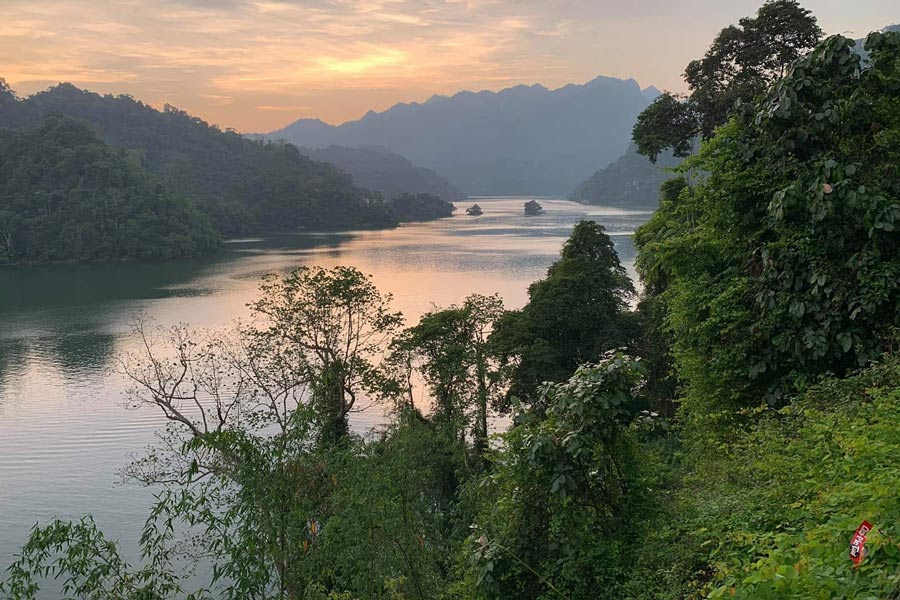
64 433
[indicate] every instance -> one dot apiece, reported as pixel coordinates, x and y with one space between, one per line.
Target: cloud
252 63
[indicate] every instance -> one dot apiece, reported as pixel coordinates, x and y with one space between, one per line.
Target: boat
532 208
474 211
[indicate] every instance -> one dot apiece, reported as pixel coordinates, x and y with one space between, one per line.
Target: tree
451 345
670 122
551 502
6 93
340 324
783 264
419 207
573 316
742 62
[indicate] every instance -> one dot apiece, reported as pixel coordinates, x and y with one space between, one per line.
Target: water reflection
79 354
12 362
63 431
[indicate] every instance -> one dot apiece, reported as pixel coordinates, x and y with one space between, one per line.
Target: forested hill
65 194
377 168
632 182
243 185
521 140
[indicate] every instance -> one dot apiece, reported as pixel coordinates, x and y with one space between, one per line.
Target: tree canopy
742 62
237 184
573 315
66 195
783 263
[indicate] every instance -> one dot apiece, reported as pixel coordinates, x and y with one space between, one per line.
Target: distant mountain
241 184
379 169
632 182
522 140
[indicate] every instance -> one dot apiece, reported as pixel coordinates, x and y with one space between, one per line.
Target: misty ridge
521 140
377 168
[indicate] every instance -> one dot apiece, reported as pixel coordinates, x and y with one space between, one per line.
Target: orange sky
259 64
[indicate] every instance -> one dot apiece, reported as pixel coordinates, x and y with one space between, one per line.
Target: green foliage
419 207
90 566
337 322
65 195
768 511
669 123
742 62
573 316
394 525
449 348
554 495
782 264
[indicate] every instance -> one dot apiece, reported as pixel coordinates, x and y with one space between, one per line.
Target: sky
256 65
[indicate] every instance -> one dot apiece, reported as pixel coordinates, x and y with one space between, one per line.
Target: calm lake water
64 432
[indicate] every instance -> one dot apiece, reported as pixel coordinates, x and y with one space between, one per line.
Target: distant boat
532 208
474 211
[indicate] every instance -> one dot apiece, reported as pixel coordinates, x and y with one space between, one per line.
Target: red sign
858 543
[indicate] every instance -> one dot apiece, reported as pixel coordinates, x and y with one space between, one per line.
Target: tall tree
451 347
574 315
341 323
742 62
783 264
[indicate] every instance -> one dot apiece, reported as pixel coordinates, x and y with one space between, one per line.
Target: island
532 208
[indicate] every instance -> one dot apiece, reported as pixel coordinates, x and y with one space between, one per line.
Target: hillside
632 182
66 195
379 169
521 140
243 185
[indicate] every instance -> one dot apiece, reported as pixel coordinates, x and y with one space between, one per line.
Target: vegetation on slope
65 194
769 320
240 185
630 182
243 185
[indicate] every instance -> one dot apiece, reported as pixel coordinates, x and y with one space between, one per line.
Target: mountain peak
523 139
651 92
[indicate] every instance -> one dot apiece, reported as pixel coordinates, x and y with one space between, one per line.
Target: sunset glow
257 65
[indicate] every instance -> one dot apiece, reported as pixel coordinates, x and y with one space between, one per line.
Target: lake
64 432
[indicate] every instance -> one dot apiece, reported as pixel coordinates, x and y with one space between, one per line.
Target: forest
227 185
720 433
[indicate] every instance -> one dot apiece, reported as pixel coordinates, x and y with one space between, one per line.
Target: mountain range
522 140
